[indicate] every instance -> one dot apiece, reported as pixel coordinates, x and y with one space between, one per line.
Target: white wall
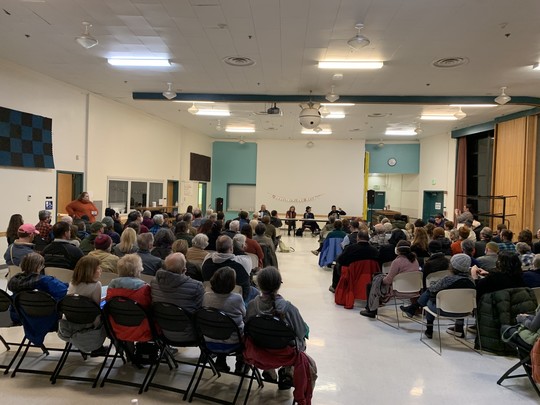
122 142
401 191
437 169
329 173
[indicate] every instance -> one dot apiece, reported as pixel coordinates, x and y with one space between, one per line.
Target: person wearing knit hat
108 224
460 278
102 252
488 262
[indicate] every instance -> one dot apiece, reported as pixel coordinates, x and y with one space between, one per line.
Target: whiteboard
241 197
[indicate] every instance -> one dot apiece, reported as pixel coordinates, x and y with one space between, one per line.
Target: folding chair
83 311
106 278
176 328
5 321
213 325
405 286
453 304
524 355
38 315
60 273
127 313
432 278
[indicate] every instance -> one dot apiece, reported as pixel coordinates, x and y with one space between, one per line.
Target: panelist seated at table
313 225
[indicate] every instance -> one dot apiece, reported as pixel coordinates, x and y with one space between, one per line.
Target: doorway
433 204
69 185
379 202
201 197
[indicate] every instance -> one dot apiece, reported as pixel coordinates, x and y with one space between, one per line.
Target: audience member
108 229
531 278
439 235
158 224
224 257
197 253
271 303
21 246
274 220
163 243
463 233
488 261
102 252
291 225
480 246
352 237
436 261
173 286
252 246
61 252
181 231
15 221
193 270
87 244
506 241
467 214
44 225
525 255
526 236
419 245
536 245
128 243
497 236
221 297
507 274
381 285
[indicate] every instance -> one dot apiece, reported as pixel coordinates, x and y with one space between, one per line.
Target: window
127 195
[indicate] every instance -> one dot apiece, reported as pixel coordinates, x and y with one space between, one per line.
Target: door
172 192
69 185
378 204
201 199
433 204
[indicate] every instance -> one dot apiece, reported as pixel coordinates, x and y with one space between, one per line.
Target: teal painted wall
407 156
232 163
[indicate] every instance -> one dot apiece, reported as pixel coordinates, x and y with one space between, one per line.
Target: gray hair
68 219
239 241
158 219
467 247
200 241
145 240
147 214
43 215
224 244
387 227
536 261
523 248
234 226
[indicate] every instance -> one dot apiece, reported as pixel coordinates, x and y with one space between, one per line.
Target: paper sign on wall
438 205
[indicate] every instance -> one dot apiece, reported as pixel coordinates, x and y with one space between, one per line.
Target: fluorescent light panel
400 132
338 104
473 105
335 115
139 62
312 132
193 102
350 64
438 117
213 113
244 130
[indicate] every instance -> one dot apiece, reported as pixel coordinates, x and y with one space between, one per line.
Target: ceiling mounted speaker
86 40
460 114
359 41
193 109
169 94
332 96
503 98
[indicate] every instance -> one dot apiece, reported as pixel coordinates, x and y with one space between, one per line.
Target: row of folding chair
165 321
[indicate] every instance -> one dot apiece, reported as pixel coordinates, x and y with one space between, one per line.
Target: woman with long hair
15 222
82 206
419 244
128 243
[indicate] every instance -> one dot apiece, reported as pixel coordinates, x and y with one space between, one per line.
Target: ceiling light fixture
213 113
339 104
332 96
129 62
473 105
193 101
242 130
350 64
359 41
169 94
335 115
310 144
438 118
317 131
400 132
460 114
325 112
503 98
193 109
241 141
86 40
310 117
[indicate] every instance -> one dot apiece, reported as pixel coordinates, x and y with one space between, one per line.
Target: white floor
360 360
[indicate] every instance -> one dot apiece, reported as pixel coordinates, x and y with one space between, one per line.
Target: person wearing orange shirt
82 206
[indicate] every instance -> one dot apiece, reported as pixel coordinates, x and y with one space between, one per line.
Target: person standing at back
82 206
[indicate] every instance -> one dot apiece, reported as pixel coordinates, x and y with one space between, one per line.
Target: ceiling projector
273 110
310 117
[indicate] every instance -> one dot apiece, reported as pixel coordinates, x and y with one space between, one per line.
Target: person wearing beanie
460 278
381 285
102 252
436 261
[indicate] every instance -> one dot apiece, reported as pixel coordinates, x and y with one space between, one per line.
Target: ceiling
286 39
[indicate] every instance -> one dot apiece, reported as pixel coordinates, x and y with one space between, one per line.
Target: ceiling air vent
240 61
451 62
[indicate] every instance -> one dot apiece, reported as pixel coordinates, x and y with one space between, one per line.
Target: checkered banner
25 140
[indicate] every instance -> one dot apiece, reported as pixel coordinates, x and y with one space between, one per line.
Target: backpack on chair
299 232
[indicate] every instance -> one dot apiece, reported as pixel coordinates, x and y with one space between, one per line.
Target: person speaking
82 206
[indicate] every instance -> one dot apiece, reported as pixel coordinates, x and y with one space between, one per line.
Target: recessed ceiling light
400 132
350 64
139 62
438 118
214 113
244 130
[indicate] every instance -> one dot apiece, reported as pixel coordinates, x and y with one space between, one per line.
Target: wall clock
392 162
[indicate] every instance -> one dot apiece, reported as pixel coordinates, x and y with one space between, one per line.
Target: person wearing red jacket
82 206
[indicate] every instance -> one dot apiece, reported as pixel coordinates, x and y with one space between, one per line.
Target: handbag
525 334
284 248
146 353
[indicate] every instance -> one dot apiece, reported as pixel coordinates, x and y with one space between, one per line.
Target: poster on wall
25 140
188 189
